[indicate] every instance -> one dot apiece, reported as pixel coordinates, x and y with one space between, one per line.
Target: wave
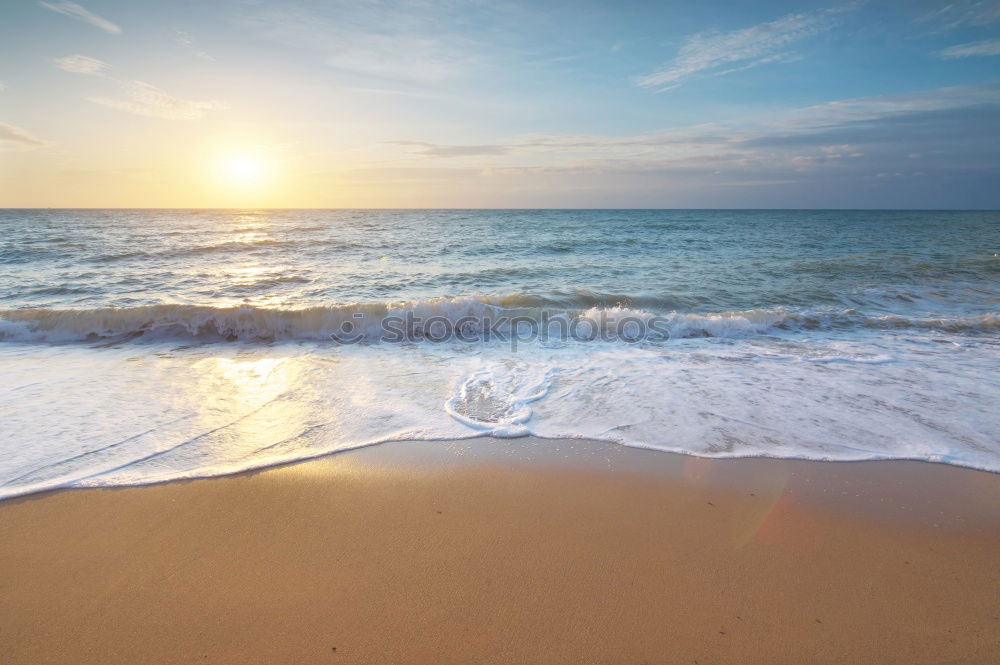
582 315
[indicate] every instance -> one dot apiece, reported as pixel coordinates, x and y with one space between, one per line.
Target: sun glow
242 170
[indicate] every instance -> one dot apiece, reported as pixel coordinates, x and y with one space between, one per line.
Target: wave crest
470 315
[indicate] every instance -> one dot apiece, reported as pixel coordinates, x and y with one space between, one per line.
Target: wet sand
520 551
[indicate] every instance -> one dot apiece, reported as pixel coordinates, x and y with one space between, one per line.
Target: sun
242 170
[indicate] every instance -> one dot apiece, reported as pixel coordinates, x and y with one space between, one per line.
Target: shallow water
138 346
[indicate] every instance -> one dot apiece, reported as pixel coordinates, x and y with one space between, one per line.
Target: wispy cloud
138 97
81 64
148 100
850 140
770 59
409 42
3 86
857 112
972 49
717 52
185 41
439 150
11 135
76 11
962 14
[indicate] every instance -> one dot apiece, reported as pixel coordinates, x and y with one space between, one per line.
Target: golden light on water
251 407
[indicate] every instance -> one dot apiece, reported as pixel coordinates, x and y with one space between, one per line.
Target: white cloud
76 11
983 48
749 47
3 86
148 100
9 134
963 13
81 64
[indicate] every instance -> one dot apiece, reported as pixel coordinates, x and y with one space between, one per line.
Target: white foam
138 414
494 400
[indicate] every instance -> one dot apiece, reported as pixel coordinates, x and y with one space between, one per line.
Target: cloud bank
900 150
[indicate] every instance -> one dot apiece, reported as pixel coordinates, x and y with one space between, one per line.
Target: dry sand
499 552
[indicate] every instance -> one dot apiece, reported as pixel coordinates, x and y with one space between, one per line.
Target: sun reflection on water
252 405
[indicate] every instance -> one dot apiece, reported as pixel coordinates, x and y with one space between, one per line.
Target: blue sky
502 104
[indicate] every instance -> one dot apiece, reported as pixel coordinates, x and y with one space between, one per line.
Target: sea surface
139 346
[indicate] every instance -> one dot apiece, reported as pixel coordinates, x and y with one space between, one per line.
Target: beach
518 551
500 333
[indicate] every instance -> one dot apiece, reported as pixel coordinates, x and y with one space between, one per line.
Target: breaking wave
471 316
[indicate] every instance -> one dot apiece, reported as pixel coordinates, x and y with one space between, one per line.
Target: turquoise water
141 345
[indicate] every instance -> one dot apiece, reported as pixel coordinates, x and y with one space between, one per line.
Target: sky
497 104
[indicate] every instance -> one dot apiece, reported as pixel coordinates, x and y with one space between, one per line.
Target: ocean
138 346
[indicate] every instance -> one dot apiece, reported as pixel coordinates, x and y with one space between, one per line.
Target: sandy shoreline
512 552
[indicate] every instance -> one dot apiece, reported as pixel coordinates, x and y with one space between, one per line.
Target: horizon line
7 208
